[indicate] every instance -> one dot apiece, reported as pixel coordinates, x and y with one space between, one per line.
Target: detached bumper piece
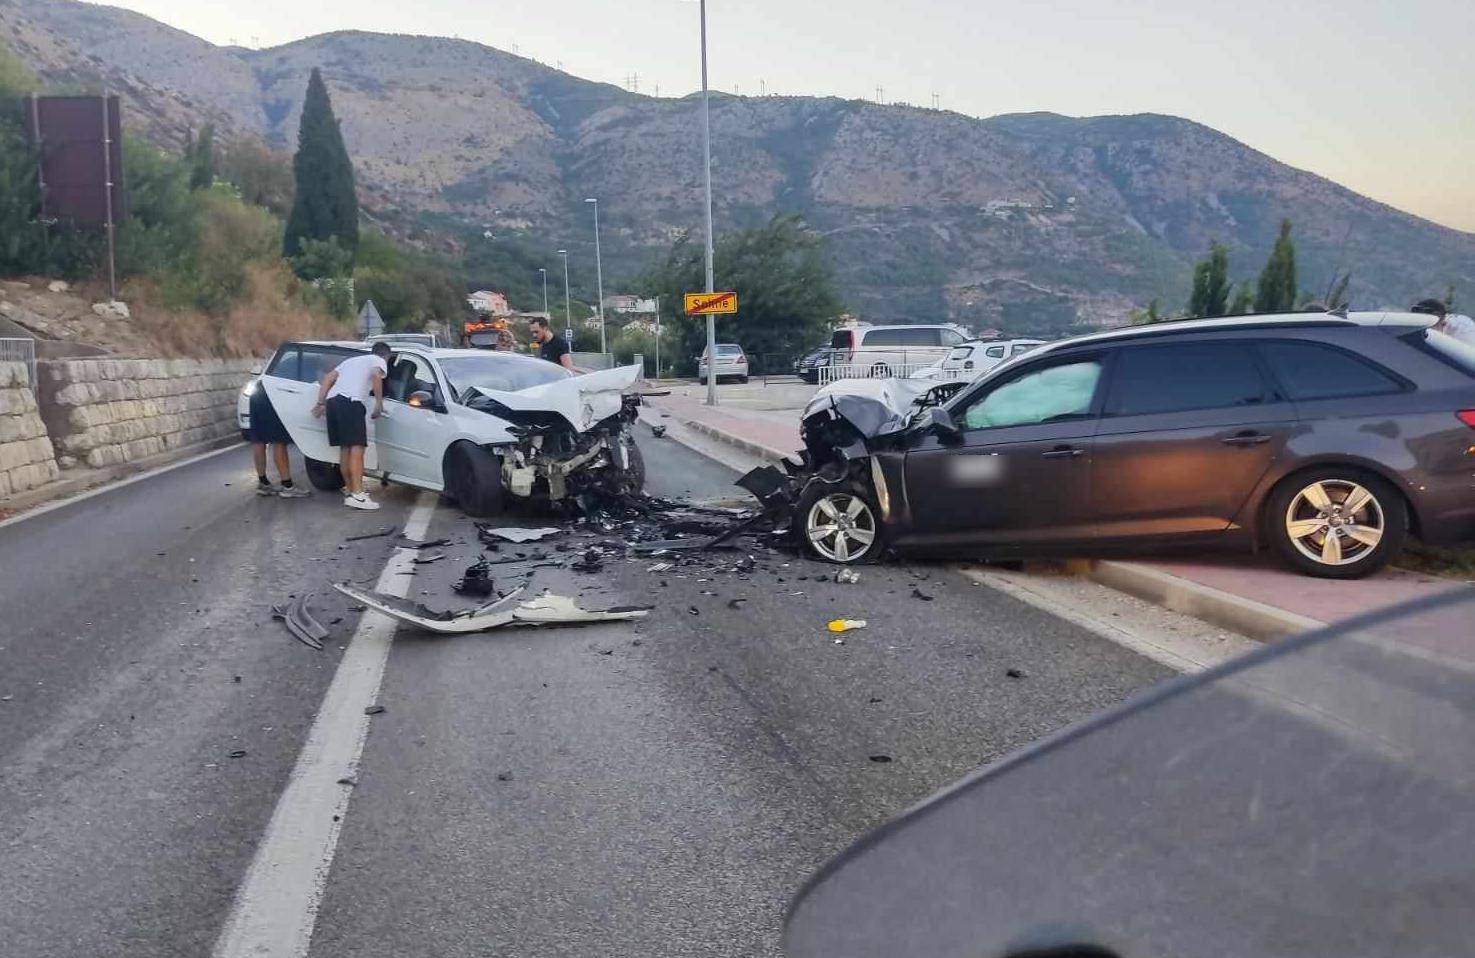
546 609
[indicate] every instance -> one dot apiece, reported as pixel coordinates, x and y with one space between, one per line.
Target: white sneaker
360 500
269 489
293 491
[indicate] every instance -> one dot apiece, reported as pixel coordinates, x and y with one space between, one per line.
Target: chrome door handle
1062 452
1246 439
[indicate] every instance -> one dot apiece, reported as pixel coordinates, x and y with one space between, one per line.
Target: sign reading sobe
703 304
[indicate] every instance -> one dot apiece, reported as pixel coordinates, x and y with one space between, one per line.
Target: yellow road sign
702 304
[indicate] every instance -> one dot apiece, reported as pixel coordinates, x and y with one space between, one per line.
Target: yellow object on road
845 625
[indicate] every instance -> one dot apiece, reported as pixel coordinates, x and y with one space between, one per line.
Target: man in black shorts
343 397
551 346
268 434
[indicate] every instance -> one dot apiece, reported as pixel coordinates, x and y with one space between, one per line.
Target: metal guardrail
20 351
829 374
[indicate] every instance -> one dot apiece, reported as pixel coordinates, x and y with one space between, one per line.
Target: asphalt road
655 789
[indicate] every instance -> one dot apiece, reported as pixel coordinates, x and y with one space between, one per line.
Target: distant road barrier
829 374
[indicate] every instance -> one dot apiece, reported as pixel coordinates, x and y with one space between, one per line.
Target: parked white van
881 351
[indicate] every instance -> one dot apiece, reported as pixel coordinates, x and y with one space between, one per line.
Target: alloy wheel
1335 522
841 527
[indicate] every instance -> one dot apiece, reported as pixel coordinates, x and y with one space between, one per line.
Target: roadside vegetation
227 250
787 297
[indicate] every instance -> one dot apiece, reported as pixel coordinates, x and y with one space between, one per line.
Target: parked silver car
732 363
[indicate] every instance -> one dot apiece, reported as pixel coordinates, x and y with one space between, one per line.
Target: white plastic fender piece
546 609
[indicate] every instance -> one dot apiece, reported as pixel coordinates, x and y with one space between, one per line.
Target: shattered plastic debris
426 560
657 431
477 579
387 530
374 710
881 759
662 567
546 609
846 625
431 544
1015 673
919 594
512 534
737 603
300 623
847 577
591 561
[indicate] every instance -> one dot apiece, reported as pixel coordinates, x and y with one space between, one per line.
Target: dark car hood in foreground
1316 797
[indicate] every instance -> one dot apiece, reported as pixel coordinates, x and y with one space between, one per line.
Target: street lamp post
568 313
707 160
546 314
599 273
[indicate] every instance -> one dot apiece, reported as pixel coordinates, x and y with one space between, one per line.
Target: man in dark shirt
551 346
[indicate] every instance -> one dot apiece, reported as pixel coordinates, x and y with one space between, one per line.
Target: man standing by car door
343 397
551 346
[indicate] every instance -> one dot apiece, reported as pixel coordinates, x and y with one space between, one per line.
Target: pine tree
1276 291
1210 284
200 155
325 206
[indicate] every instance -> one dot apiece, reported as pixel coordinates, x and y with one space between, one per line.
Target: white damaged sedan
481 427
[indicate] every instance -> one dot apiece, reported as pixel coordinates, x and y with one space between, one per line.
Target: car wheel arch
1255 514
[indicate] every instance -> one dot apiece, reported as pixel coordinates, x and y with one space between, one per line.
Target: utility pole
599 272
568 312
546 314
707 160
880 94
658 336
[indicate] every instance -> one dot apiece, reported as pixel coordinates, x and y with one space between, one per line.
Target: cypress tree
1276 291
201 157
325 206
1211 284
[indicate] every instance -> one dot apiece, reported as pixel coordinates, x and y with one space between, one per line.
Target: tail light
1467 416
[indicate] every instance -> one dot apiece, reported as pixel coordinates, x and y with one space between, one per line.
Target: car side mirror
426 399
938 420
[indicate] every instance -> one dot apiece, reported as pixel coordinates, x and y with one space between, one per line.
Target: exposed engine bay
555 460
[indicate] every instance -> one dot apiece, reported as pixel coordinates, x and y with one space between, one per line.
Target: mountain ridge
1027 220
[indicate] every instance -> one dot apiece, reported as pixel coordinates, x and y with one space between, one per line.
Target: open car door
291 383
1313 798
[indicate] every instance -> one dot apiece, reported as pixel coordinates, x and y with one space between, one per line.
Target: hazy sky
1379 96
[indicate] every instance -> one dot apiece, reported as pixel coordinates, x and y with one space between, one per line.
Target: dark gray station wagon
1326 437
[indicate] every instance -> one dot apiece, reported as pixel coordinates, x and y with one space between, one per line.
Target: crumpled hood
873 406
584 401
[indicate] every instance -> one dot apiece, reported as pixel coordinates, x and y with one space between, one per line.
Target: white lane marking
114 486
1173 639
277 903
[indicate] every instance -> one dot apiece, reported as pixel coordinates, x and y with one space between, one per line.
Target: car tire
742 380
324 476
1306 520
473 477
862 535
633 479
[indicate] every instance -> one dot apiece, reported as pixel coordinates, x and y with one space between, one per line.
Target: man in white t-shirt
343 397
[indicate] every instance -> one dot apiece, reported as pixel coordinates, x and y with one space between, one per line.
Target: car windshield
500 372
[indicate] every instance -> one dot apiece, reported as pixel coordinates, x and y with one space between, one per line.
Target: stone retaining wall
26 457
101 412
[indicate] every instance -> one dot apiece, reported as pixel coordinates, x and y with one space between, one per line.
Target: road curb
1264 623
712 432
1256 620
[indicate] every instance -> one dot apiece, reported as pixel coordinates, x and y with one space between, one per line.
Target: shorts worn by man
267 434
343 396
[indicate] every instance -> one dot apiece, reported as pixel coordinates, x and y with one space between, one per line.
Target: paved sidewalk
1253 594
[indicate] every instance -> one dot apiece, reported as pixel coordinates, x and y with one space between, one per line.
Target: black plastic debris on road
1015 673
919 594
477 579
880 759
387 530
374 710
300 623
